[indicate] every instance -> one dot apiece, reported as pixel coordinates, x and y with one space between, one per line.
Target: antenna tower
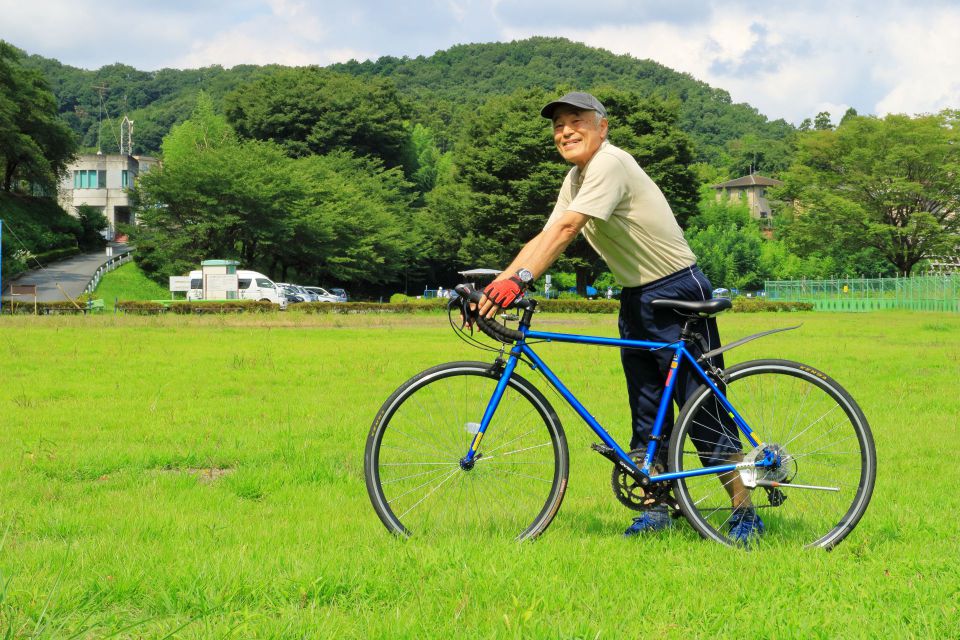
101 89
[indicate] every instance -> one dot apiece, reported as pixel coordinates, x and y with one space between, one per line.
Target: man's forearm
544 249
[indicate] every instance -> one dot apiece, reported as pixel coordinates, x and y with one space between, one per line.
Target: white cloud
795 62
924 70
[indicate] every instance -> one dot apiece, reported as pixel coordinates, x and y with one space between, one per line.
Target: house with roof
752 189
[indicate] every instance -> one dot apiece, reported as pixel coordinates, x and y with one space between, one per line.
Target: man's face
577 134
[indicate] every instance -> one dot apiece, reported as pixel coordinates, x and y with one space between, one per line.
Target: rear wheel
826 463
413 456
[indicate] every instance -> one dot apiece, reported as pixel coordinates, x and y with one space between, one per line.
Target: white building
103 181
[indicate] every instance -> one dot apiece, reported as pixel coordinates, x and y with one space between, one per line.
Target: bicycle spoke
421 486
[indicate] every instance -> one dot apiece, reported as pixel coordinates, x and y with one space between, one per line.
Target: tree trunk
583 279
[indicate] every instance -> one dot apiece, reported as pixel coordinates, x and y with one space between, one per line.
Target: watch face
525 275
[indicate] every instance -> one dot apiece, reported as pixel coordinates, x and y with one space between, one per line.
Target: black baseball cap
576 99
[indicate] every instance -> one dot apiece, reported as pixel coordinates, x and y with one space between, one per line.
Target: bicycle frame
680 355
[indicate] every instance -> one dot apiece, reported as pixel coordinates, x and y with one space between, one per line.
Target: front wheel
413 468
825 459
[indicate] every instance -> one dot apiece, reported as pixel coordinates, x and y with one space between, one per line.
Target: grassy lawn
128 283
203 478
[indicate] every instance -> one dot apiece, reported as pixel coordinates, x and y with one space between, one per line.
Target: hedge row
25 306
56 254
753 305
144 307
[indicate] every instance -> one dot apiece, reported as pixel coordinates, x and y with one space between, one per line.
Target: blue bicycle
473 447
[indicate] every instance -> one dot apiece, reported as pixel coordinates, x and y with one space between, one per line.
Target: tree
727 243
309 110
890 185
35 145
350 222
214 197
822 121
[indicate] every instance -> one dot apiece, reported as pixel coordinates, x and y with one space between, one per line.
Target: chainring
631 493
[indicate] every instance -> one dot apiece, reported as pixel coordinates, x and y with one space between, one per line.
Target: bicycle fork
467 462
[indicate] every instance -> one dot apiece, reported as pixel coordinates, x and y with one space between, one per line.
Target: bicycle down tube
521 348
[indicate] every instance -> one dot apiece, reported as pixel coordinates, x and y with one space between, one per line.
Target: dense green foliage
436 91
35 144
733 252
886 189
334 216
310 110
32 227
443 87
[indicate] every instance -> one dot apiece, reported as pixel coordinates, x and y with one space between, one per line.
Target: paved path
72 274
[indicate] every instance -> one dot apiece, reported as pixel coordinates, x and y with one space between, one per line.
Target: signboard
179 283
222 282
220 286
23 289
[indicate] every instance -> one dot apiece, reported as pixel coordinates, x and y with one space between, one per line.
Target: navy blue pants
646 371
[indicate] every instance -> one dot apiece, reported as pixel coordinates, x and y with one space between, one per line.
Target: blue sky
791 60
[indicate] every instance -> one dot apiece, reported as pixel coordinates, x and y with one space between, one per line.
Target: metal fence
106 267
917 293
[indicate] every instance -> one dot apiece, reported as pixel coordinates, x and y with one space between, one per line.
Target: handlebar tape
492 328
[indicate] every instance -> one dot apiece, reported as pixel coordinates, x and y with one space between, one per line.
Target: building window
124 179
89 179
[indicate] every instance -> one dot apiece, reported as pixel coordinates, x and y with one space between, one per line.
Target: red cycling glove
504 292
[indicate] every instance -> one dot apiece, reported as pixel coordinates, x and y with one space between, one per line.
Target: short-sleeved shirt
632 226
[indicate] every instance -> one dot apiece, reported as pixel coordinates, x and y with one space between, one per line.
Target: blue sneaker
745 526
653 520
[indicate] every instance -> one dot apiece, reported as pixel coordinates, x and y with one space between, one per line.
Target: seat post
687 334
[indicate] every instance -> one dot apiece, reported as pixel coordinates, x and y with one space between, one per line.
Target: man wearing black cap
627 220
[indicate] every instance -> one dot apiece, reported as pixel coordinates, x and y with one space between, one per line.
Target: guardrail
107 267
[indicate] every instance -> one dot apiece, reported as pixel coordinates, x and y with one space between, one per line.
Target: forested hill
438 88
464 75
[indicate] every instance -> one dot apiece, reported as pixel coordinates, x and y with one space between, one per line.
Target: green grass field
179 477
128 283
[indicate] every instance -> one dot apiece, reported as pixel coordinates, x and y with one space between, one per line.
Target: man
626 219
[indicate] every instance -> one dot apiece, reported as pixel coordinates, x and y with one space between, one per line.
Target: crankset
636 496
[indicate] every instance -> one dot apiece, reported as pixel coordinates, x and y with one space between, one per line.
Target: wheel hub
780 469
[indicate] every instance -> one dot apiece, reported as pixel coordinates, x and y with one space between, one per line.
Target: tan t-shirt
633 228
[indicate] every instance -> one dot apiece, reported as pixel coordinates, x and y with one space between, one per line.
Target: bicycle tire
821 433
517 483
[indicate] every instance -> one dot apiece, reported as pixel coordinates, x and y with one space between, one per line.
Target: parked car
342 294
291 294
323 295
308 296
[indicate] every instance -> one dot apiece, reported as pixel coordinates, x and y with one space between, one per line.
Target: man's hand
501 293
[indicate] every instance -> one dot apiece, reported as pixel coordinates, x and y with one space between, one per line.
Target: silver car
323 295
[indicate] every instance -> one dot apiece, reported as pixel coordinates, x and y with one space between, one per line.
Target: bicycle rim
824 485
414 477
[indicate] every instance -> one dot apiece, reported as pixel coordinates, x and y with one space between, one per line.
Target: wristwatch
525 276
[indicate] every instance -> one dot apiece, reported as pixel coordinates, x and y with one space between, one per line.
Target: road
71 274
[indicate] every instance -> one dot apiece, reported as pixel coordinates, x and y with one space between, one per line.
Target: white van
251 285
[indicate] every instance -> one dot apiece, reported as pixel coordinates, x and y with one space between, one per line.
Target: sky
790 60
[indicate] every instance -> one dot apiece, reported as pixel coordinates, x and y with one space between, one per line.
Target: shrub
223 306
754 305
140 307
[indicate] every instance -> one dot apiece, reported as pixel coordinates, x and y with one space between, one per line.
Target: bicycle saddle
704 309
